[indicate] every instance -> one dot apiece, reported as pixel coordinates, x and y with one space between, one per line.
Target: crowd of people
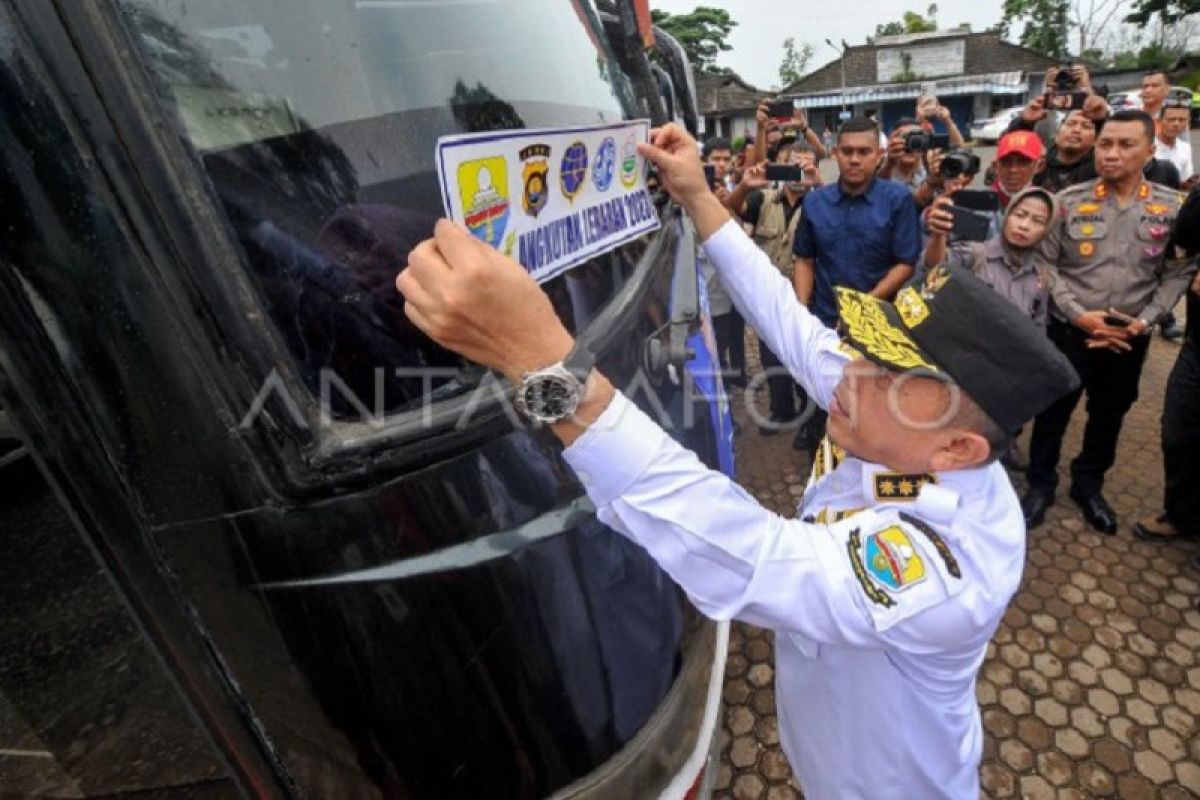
1080 209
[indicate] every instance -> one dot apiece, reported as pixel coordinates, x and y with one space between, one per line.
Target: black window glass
316 122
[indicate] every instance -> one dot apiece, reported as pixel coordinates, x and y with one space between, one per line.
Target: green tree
795 61
911 22
1045 24
1169 10
702 33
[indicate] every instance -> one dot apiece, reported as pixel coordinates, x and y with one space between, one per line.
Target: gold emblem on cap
911 307
871 331
934 281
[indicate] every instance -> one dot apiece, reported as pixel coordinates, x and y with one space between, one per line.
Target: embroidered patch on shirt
1087 249
1157 208
939 544
1087 208
873 592
892 560
900 486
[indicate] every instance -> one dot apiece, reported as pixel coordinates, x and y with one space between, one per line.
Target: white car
992 128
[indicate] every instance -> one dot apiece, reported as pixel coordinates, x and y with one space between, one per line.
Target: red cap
1026 143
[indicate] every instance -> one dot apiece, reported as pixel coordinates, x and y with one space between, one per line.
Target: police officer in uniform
1109 285
910 544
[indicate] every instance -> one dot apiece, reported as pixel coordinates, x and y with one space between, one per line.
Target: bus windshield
315 122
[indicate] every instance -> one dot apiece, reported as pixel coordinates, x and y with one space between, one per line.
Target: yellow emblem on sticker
483 190
892 560
1088 230
911 307
1086 249
872 332
1087 208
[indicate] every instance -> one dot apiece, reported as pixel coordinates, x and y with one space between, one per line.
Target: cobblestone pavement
1091 686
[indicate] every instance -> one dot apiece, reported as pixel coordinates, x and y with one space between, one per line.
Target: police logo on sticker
605 165
572 172
629 162
892 560
1087 249
535 169
483 189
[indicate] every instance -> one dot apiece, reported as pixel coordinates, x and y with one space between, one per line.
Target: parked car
992 128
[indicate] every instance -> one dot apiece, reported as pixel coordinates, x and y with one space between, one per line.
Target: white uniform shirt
1179 154
882 616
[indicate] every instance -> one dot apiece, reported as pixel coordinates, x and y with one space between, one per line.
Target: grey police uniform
1102 256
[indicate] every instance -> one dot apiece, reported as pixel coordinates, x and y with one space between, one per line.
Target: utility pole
842 62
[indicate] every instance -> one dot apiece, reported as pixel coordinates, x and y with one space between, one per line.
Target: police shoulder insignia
1143 191
854 549
898 486
939 544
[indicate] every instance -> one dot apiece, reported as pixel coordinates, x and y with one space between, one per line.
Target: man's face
888 417
1122 150
774 135
1027 222
1015 172
1076 134
1154 89
857 157
1174 122
721 160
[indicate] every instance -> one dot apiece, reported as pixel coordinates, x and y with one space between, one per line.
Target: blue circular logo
573 170
605 165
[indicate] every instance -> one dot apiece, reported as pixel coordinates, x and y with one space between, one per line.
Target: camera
1064 80
920 141
959 162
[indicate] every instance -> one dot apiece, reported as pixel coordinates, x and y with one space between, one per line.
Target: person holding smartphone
1110 286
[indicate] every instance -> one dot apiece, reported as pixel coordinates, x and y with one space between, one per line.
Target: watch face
551 397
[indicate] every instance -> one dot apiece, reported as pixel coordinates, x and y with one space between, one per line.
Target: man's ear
962 449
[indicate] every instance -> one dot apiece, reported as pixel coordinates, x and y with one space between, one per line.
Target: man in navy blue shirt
861 232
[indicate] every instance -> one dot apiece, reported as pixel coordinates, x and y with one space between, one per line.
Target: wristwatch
551 394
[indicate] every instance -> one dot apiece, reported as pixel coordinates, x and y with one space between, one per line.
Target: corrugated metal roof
995 83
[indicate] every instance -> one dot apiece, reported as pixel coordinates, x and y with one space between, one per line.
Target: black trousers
1181 440
730 332
781 388
1111 382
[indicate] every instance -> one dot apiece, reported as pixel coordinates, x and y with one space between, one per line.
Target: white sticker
549 198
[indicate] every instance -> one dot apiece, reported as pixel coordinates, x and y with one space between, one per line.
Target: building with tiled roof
974 75
727 104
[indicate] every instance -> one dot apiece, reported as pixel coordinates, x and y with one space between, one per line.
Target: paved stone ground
1091 688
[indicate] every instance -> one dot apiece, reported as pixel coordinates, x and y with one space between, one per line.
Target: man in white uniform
911 541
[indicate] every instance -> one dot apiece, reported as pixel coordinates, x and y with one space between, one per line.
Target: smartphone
784 172
710 173
1116 322
928 95
977 199
781 110
969 226
1065 101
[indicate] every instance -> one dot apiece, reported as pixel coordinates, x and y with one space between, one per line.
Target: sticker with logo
572 172
483 189
535 171
629 162
892 560
605 165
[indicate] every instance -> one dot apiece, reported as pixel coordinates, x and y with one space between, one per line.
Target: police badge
534 169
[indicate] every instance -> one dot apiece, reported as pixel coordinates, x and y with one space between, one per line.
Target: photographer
773 215
902 164
767 125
